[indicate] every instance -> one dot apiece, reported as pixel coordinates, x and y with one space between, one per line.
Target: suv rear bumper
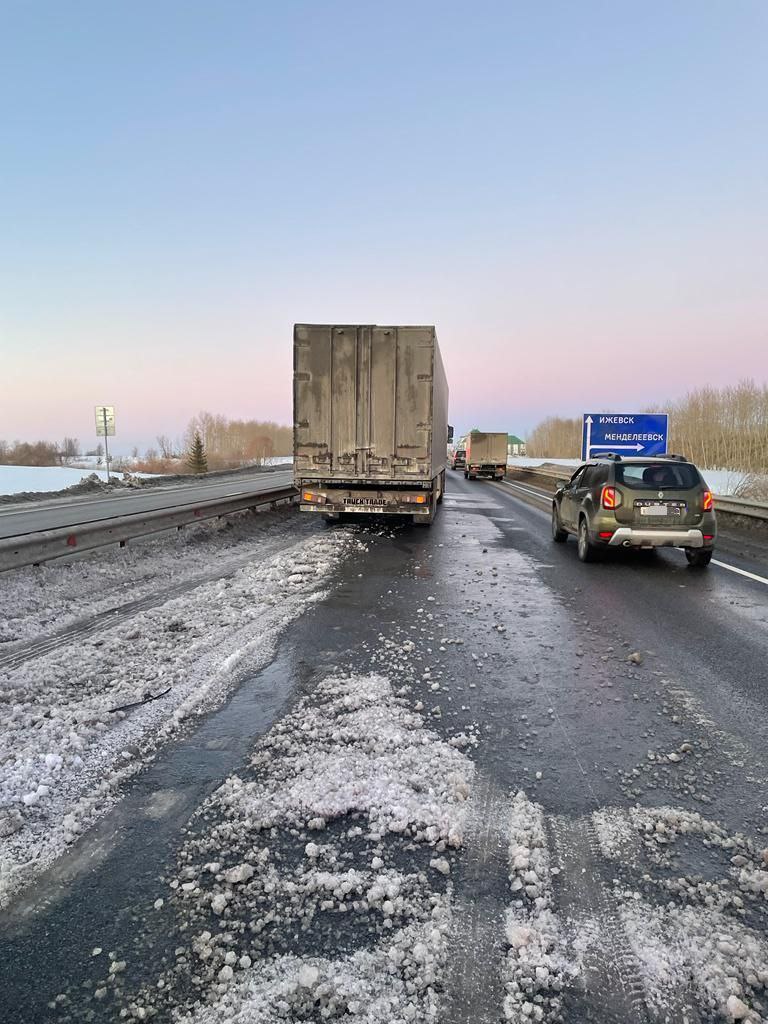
626 536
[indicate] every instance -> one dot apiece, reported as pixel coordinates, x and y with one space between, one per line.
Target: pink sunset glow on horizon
581 214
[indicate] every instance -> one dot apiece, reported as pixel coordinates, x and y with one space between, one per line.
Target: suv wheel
587 550
559 535
698 558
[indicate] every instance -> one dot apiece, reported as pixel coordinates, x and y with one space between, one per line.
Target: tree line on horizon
227 444
717 428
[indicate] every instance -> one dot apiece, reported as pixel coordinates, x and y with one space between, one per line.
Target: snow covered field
64 747
43 479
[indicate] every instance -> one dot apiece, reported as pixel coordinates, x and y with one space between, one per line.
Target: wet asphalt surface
543 676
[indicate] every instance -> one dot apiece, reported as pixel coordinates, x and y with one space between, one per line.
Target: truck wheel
698 558
587 550
442 488
559 535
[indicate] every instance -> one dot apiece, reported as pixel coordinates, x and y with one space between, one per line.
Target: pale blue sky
575 193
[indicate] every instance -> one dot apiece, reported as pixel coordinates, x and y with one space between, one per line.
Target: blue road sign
632 434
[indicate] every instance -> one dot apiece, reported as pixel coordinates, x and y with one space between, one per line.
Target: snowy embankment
48 479
64 747
721 481
34 602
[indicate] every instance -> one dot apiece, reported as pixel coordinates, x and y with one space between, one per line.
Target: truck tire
442 488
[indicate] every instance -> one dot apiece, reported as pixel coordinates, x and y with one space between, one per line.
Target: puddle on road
94 895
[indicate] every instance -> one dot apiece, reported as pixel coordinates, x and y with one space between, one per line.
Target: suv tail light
707 501
610 497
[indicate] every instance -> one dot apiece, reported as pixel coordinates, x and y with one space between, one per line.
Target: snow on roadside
34 601
339 838
540 959
65 754
23 479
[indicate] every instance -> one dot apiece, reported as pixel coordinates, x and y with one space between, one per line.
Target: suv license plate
654 510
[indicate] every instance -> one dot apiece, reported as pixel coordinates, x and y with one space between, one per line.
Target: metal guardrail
45 545
727 503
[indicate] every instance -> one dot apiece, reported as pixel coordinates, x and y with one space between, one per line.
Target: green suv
647 503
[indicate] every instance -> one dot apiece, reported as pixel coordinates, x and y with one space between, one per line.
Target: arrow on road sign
615 447
638 433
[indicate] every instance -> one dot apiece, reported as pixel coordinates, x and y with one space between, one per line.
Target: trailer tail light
310 496
415 499
420 499
707 501
610 497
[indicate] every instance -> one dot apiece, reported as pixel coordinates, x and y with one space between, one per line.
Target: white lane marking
527 490
741 572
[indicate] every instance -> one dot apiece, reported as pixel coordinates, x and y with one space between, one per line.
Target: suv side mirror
561 484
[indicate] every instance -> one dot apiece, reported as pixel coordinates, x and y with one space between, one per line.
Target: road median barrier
745 513
46 545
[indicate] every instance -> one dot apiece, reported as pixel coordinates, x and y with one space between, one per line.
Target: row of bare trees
38 453
718 428
227 444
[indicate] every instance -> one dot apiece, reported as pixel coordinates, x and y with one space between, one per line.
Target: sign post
105 427
626 433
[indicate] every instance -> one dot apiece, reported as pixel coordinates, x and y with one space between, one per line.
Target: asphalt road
16 521
624 697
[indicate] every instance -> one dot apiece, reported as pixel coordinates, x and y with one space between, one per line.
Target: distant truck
486 455
459 458
370 420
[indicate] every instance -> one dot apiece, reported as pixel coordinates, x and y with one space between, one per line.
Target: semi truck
371 428
486 455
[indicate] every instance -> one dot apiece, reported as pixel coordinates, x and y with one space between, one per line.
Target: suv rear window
653 476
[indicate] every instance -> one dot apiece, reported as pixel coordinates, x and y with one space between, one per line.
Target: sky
576 194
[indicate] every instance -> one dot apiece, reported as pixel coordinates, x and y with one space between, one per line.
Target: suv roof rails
677 458
612 456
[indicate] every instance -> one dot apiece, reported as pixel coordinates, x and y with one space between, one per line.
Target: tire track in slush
611 988
474 988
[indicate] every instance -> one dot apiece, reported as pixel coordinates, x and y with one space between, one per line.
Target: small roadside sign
633 434
105 421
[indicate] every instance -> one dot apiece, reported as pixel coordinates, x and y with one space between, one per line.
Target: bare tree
165 445
70 449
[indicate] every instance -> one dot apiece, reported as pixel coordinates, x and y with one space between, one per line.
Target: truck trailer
486 455
370 420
